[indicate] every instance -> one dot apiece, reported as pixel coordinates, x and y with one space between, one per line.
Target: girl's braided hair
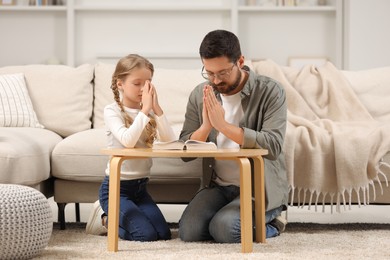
123 68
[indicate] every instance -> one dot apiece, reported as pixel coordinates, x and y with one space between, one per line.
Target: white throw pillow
16 108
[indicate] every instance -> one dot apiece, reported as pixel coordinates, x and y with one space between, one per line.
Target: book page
172 145
199 145
180 145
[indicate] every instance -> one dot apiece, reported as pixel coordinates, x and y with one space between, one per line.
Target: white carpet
300 241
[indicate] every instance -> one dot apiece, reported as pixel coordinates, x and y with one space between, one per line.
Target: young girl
135 119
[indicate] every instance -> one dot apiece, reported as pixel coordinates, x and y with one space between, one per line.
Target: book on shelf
190 145
7 2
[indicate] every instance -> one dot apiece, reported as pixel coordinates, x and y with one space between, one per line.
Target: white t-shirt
228 172
119 136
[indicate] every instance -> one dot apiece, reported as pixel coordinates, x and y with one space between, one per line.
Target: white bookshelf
246 8
28 8
83 31
292 31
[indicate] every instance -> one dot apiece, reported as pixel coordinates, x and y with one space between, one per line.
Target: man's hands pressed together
214 117
214 110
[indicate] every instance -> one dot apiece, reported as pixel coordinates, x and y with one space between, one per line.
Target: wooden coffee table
241 156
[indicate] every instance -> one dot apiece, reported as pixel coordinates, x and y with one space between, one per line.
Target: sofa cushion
78 158
102 92
25 154
172 85
174 88
62 96
16 108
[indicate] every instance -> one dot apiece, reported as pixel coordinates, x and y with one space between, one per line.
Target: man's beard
220 87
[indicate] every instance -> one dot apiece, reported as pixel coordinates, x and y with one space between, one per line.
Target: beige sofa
63 159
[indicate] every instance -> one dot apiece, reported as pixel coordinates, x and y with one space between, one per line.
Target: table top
149 152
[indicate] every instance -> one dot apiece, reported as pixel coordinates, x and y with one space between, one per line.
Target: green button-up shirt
264 123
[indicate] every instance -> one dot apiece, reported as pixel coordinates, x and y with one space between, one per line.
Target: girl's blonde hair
123 68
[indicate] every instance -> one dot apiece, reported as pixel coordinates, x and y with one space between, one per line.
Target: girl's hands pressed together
147 98
156 106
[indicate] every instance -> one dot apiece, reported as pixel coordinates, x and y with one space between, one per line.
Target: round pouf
25 222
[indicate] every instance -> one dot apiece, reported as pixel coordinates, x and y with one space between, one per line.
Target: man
235 108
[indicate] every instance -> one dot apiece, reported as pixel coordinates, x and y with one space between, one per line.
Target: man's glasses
223 75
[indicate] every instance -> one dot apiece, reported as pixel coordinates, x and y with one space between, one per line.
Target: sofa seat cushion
25 154
78 158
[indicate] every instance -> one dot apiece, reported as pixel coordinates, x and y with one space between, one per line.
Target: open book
187 145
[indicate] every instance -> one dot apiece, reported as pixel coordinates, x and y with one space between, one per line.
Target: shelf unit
92 30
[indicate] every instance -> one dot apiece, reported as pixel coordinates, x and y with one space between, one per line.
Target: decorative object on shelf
7 2
308 2
23 2
251 2
322 2
43 2
290 2
272 2
268 2
299 62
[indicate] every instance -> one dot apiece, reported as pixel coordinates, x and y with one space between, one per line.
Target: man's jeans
214 213
139 217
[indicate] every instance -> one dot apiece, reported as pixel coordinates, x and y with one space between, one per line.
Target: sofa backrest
372 87
173 88
62 96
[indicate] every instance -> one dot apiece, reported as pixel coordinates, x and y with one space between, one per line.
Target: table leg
259 192
246 205
113 203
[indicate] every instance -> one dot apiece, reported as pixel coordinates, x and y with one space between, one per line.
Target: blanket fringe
383 163
364 194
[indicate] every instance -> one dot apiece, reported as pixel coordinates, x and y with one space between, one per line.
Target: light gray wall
40 36
367 34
